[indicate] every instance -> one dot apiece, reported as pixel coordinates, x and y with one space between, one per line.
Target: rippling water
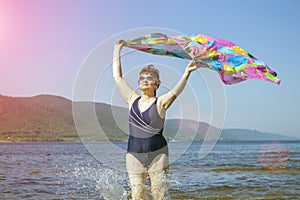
260 170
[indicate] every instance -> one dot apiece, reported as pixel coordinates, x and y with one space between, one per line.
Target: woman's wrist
186 74
117 49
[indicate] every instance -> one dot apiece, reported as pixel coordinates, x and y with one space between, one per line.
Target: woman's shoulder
160 109
166 100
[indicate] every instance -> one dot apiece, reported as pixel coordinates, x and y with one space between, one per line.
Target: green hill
39 118
50 118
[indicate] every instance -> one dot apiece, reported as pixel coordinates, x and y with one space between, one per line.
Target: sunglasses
148 78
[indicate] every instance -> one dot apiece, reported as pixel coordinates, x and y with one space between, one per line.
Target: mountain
51 118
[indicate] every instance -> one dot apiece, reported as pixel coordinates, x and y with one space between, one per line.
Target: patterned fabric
233 63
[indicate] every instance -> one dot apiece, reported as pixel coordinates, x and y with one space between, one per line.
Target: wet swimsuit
146 140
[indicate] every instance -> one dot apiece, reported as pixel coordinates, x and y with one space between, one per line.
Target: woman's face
147 81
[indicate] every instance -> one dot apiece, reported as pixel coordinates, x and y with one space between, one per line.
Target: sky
45 46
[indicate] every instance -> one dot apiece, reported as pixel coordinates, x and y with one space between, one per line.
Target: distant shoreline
49 118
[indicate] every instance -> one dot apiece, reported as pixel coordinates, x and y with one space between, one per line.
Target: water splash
93 180
111 184
90 180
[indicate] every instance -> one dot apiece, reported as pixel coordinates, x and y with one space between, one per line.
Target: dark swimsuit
146 140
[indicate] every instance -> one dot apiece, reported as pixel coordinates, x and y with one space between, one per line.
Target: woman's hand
190 67
119 44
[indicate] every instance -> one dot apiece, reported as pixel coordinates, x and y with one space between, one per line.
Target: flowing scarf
233 63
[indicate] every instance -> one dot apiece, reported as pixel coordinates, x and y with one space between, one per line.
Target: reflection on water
261 170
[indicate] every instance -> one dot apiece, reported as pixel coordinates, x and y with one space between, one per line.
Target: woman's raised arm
166 100
125 90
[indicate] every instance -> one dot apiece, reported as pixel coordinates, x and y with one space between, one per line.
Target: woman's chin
144 87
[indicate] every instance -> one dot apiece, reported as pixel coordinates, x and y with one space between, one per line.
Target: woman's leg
137 177
158 176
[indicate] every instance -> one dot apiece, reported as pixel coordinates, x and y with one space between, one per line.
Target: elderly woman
147 152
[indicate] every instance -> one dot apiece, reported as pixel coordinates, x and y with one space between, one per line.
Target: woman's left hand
191 67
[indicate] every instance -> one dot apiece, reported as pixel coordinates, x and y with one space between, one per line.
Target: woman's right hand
119 44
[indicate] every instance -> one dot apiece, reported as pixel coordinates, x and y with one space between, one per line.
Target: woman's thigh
159 164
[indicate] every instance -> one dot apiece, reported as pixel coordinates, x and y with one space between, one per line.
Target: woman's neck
146 96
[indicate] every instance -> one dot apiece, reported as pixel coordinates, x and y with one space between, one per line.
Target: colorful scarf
233 63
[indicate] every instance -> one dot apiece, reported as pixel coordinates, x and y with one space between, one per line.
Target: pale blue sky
44 44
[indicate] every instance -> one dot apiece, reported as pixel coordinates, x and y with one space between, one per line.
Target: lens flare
273 156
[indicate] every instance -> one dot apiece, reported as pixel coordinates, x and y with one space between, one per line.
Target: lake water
231 170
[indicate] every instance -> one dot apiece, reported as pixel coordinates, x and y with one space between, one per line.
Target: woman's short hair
149 69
